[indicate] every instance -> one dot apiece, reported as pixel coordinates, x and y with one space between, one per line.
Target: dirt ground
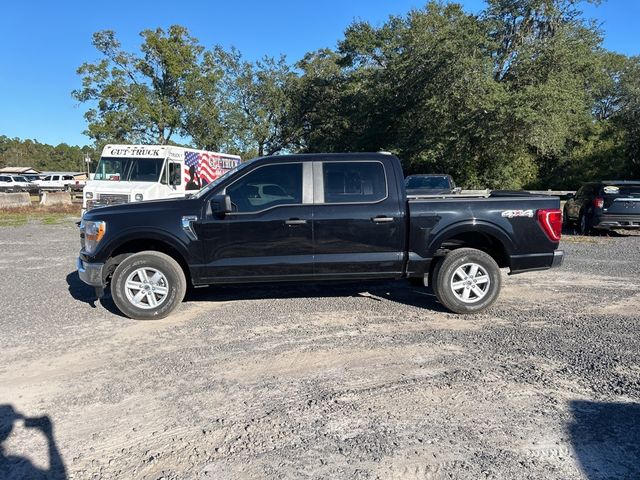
368 381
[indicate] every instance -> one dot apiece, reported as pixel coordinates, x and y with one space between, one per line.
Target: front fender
141 234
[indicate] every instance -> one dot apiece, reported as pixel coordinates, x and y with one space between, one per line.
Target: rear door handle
295 221
382 219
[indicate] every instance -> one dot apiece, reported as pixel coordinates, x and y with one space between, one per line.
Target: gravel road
357 381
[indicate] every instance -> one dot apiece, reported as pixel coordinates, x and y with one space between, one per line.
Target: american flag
207 166
192 159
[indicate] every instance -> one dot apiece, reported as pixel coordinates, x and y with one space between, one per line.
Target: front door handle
382 219
295 221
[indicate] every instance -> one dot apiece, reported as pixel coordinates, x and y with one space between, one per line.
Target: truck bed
502 221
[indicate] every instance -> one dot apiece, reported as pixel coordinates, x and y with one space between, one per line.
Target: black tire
566 223
488 271
174 283
435 271
584 224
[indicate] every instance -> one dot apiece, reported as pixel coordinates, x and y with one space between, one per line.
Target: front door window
267 187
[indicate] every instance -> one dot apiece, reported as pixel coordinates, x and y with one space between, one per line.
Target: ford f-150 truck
315 217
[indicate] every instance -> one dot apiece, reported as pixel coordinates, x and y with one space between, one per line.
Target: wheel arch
129 245
482 236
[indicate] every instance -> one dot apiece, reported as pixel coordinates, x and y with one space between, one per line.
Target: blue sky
43 42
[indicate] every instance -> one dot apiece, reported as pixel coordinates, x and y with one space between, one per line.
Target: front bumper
91 273
558 258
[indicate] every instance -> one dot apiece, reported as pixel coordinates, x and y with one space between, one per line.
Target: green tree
628 116
31 153
257 106
498 99
152 97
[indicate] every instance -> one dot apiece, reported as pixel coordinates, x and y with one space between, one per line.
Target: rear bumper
536 261
616 221
91 273
558 259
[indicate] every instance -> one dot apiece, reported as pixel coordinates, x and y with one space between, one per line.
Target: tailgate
621 199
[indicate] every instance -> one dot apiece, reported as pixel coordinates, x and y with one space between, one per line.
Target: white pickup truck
60 181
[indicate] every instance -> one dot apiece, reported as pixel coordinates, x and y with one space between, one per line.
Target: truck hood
111 186
148 207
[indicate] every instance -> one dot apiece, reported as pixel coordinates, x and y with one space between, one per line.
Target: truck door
358 222
269 233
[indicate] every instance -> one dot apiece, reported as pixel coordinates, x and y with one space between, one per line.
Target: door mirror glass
221 204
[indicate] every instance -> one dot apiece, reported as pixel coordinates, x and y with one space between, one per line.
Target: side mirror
221 204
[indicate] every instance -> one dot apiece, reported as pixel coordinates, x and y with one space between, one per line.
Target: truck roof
334 157
621 182
154 151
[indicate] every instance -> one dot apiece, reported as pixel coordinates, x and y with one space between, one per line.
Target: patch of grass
12 220
14 217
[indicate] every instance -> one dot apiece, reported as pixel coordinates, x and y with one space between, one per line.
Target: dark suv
605 205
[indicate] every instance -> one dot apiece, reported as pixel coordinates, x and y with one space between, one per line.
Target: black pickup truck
315 217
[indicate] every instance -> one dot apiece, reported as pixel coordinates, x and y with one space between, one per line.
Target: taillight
598 202
551 222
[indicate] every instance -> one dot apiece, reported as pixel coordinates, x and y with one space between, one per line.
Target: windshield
219 180
129 169
435 183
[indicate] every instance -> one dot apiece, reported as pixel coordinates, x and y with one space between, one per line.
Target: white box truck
134 173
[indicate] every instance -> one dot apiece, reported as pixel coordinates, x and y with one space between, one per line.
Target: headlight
138 197
88 195
93 233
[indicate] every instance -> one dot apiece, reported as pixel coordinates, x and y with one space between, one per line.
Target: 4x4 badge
517 213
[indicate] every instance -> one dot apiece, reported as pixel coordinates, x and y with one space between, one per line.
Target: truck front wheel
148 285
467 281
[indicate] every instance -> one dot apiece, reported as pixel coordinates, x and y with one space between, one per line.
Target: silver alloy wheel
470 283
146 288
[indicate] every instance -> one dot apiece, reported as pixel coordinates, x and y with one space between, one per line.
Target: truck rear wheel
433 275
467 281
148 285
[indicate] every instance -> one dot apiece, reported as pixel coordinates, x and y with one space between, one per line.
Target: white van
134 173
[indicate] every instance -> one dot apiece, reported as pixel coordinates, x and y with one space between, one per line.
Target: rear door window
354 182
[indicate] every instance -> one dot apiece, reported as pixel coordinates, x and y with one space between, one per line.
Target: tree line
41 156
520 95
